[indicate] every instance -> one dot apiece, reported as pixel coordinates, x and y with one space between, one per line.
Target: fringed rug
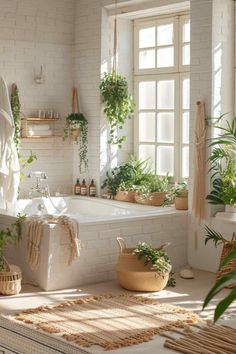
207 339
108 321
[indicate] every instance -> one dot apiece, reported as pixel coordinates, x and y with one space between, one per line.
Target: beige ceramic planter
156 198
75 133
125 196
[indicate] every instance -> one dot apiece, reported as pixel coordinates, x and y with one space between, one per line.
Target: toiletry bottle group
83 189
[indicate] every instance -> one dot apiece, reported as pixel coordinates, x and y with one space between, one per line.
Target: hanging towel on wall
9 162
199 192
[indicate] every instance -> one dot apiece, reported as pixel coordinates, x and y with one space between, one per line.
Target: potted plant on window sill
179 196
153 190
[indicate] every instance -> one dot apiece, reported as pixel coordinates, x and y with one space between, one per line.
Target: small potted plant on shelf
223 167
144 268
152 190
178 195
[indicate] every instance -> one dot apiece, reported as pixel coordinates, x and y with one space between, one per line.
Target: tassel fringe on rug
108 321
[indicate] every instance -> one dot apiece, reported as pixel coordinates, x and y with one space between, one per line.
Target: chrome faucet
39 188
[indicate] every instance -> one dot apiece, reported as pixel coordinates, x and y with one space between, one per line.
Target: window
162 58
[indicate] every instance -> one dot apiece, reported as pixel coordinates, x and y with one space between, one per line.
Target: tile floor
187 293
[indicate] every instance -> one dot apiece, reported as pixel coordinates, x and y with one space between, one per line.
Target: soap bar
186 273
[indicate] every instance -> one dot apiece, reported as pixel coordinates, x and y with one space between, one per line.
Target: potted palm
223 167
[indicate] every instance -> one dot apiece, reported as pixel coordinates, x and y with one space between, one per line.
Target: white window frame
178 72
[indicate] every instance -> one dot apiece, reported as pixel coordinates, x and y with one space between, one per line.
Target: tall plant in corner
223 165
16 110
118 102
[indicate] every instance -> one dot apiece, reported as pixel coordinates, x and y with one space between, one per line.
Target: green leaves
118 104
214 236
10 235
78 120
157 258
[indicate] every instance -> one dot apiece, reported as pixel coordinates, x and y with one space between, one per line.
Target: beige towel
34 226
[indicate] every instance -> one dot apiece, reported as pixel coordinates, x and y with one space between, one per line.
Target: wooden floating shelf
41 137
32 119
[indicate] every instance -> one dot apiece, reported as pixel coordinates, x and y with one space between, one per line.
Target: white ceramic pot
230 208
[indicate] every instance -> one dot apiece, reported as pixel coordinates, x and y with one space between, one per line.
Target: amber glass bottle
83 189
92 189
77 188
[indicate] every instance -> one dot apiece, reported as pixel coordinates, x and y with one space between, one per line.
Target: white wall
33 33
212 80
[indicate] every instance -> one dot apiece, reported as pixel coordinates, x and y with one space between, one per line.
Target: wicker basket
155 198
10 279
125 196
134 275
231 266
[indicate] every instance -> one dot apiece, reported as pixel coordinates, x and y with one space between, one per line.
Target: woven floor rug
108 321
16 338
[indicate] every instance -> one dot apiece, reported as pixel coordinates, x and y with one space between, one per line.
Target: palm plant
219 286
223 165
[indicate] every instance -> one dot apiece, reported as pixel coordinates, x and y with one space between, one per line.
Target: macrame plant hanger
114 64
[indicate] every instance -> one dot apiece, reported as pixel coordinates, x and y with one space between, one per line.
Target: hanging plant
77 129
16 111
119 104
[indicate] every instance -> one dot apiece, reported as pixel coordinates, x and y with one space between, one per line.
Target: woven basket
231 266
134 275
10 279
125 196
155 198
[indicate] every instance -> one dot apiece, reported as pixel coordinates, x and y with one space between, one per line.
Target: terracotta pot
132 274
155 198
125 196
181 203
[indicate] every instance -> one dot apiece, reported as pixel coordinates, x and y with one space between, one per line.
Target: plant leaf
224 304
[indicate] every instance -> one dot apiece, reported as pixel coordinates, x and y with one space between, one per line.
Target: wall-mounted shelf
26 121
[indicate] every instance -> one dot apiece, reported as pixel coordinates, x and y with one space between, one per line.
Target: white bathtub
101 222
86 209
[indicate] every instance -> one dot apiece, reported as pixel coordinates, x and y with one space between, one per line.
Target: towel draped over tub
34 229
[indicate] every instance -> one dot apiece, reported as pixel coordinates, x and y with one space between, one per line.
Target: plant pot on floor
155 198
10 279
125 196
133 275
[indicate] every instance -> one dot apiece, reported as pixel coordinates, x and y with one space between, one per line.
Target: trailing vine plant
10 235
118 104
74 122
16 111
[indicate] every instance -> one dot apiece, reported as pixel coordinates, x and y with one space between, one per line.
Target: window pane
185 162
165 57
147 95
165 160
166 94
147 37
186 54
165 34
186 94
186 31
147 127
147 59
165 127
185 131
148 152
